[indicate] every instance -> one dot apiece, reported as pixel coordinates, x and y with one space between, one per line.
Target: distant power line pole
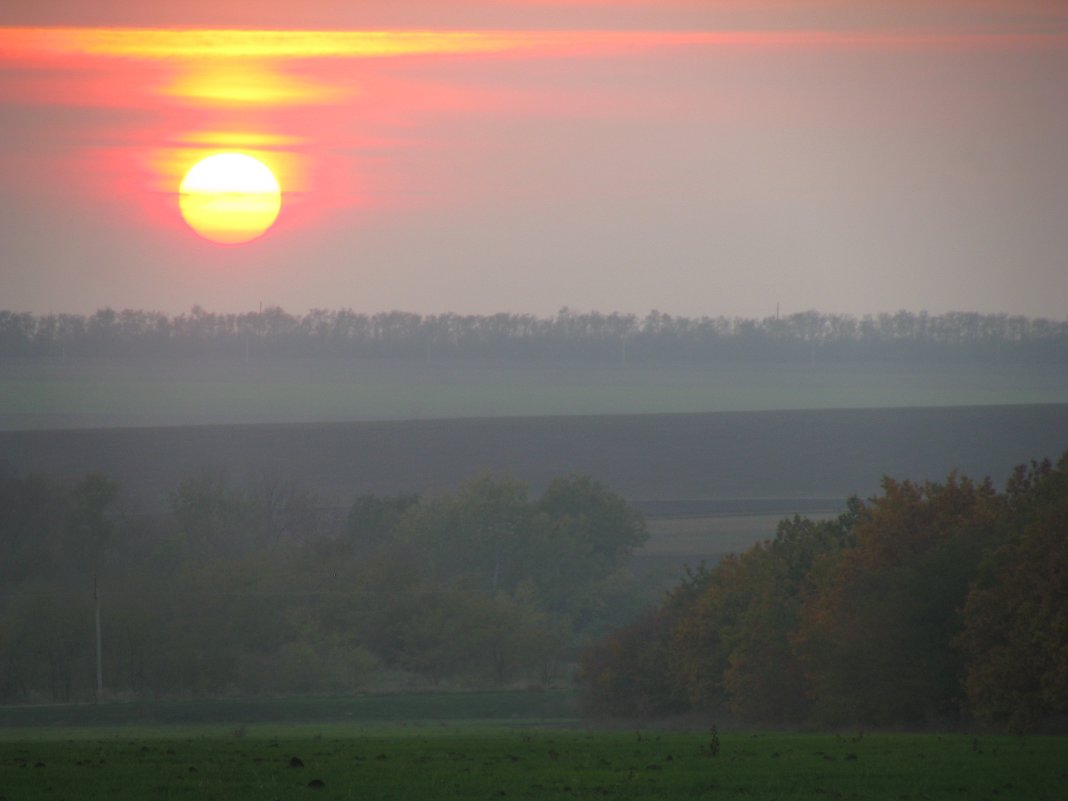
99 656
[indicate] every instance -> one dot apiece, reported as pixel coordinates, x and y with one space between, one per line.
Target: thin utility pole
99 660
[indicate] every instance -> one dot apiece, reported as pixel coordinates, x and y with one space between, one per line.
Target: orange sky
697 157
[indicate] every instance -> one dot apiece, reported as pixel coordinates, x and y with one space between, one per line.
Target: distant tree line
266 589
931 603
810 335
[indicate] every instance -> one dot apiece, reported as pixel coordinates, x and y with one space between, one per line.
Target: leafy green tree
584 533
49 647
464 634
373 519
250 590
444 639
139 635
213 517
33 528
479 532
387 590
90 528
280 510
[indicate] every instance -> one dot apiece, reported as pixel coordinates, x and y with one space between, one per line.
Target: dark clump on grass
713 742
296 762
316 784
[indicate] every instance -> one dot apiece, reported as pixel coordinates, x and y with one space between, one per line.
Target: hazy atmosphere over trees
271 332
929 604
262 589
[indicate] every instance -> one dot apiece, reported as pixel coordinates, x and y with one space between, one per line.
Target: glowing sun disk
230 198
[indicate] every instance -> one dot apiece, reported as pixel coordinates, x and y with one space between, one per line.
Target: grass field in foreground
499 705
467 762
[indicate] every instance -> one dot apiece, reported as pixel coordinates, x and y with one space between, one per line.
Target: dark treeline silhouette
931 603
811 335
268 589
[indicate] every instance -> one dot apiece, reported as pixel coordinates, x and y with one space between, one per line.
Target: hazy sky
693 156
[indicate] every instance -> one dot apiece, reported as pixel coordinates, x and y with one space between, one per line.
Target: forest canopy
929 604
265 589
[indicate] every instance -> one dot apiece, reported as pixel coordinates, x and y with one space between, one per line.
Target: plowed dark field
673 464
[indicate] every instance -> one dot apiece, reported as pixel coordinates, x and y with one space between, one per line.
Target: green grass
142 392
467 762
440 706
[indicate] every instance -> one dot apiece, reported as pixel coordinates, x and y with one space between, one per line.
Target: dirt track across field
708 459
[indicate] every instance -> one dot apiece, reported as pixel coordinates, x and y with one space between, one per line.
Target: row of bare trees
273 332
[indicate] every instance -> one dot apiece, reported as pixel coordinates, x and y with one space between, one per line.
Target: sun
230 198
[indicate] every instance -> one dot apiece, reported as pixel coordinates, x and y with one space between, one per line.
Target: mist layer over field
49 394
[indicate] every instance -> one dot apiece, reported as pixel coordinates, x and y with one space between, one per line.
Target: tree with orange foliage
875 637
1015 632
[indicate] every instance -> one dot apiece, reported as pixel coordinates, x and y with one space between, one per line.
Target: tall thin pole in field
99 659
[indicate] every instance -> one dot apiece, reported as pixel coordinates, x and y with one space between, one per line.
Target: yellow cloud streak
240 139
153 44
214 81
184 44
